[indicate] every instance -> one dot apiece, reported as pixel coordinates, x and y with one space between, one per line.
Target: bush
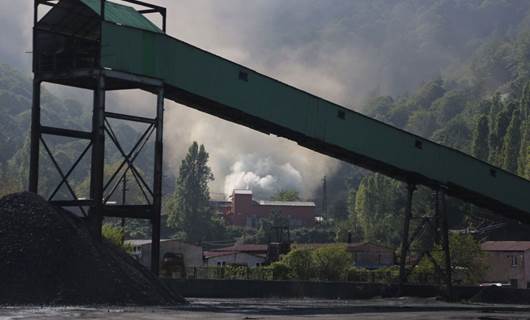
332 262
467 261
280 271
115 235
300 264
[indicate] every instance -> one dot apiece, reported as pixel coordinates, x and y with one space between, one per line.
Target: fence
382 276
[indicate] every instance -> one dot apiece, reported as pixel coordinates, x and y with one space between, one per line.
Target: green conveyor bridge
75 44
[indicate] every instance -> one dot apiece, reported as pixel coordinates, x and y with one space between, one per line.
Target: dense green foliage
188 210
456 72
330 262
115 235
467 260
481 108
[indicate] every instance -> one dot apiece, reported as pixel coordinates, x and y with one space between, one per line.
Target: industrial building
247 212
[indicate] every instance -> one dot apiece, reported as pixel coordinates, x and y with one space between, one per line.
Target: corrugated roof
214 254
348 246
505 246
123 15
244 248
287 203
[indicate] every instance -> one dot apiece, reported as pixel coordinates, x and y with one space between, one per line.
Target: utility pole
324 198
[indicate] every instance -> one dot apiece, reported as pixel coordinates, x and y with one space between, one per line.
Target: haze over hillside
347 51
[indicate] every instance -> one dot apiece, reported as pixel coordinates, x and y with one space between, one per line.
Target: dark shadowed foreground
402 308
47 256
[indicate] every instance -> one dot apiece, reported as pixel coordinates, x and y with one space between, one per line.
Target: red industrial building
245 211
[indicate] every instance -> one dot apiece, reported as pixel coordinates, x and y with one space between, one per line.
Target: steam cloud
263 176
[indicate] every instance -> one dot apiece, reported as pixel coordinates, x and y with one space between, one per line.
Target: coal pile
49 257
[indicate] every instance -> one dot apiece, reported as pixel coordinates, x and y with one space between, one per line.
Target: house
250 255
141 250
245 211
508 262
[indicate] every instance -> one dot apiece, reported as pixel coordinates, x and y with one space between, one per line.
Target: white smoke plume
263 176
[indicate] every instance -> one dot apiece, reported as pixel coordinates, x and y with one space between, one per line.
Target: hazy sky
306 43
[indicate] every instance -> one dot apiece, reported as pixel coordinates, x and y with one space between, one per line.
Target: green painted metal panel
271 106
123 15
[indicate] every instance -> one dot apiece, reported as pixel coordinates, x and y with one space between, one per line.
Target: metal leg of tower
33 185
445 244
157 192
98 156
405 236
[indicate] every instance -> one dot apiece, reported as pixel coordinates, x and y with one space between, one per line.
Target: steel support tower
67 51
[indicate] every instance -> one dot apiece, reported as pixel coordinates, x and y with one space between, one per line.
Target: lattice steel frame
100 80
438 225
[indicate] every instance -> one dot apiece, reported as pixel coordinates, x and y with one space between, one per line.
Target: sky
305 43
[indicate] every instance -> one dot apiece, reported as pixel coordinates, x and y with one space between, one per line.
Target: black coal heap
47 256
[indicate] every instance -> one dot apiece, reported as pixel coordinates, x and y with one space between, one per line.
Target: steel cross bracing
435 226
77 72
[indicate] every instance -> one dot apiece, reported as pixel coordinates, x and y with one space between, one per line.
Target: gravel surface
48 257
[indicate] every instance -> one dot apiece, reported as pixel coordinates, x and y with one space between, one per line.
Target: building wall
527 268
500 268
369 255
192 254
236 258
246 212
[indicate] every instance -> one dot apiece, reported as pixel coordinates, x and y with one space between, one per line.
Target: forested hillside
481 108
15 105
456 72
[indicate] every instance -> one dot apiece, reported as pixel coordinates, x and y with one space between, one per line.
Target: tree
512 142
332 262
377 203
188 209
525 129
480 148
502 121
300 264
466 258
286 195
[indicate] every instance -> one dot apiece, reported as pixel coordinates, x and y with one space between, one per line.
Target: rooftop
122 15
349 246
244 248
287 203
242 191
505 246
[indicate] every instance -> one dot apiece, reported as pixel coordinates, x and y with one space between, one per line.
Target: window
514 261
493 173
243 76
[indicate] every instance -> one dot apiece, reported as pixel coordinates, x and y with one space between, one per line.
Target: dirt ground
255 309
